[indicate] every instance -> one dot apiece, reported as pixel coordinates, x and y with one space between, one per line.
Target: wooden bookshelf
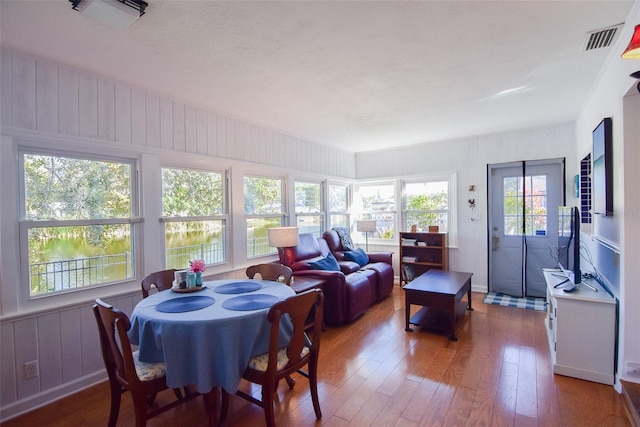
420 252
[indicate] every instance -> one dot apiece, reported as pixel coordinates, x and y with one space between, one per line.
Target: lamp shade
633 50
366 225
283 237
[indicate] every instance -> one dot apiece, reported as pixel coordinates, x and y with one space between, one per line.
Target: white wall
45 104
48 102
469 157
616 96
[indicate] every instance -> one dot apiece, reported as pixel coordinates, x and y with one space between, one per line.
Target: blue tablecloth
206 347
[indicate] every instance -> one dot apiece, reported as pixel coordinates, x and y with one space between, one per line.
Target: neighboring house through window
378 202
533 202
425 201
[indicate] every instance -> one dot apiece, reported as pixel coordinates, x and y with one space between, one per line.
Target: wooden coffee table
440 293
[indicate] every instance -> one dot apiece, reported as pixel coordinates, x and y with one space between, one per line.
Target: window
533 202
77 221
427 203
309 215
338 205
193 212
263 209
431 201
378 203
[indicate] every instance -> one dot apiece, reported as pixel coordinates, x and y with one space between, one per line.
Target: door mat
530 303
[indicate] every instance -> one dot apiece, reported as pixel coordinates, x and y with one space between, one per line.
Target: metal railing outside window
55 276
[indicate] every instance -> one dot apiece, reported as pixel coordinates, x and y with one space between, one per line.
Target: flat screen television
602 171
569 242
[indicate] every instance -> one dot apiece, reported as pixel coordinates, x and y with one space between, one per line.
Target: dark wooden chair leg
116 396
211 405
178 393
268 394
224 409
151 398
313 385
290 382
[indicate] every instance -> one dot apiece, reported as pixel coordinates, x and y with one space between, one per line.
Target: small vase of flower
198 266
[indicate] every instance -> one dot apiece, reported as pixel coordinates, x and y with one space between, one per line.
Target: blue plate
238 287
250 302
182 305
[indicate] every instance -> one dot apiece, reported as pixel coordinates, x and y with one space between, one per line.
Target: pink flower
198 266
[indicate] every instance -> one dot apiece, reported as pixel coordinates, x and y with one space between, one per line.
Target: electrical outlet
31 369
633 369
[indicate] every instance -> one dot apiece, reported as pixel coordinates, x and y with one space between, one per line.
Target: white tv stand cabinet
581 327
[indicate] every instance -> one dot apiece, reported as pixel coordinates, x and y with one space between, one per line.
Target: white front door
523 224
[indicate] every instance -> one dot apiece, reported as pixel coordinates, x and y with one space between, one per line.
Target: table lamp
282 237
366 226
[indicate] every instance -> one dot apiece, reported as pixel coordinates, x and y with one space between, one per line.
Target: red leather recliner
348 293
346 296
380 262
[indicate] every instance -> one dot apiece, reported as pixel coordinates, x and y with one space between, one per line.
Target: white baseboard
31 403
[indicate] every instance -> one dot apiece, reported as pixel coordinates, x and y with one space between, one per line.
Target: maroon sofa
380 262
349 292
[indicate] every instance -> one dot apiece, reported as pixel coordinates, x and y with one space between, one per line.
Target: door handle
495 242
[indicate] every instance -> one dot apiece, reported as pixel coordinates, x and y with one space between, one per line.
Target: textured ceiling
352 74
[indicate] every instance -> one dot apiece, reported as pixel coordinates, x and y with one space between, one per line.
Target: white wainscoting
66 345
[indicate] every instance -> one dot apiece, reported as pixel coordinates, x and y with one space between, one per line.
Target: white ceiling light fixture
117 14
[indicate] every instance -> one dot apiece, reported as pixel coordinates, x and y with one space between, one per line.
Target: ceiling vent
601 38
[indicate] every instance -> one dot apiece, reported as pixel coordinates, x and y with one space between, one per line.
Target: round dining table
207 337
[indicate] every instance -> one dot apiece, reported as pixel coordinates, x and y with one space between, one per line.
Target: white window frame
24 224
322 209
452 217
348 212
358 209
282 215
224 216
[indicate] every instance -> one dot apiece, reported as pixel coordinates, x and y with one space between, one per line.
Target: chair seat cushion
260 363
148 371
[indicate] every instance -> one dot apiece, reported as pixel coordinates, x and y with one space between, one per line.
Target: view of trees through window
79 215
309 218
263 209
532 202
192 209
427 203
77 222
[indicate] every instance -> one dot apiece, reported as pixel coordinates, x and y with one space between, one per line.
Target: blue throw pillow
327 263
358 256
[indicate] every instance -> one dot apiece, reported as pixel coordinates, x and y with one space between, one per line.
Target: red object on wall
633 50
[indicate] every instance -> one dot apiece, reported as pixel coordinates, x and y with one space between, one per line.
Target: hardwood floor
373 373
